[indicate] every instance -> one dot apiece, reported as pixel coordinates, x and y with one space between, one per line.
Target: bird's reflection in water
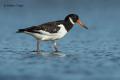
47 53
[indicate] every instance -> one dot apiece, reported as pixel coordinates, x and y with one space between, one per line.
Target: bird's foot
37 51
57 50
58 53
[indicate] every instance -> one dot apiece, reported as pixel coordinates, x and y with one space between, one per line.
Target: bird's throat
68 25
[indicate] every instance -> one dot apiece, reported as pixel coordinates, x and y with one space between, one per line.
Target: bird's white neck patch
71 20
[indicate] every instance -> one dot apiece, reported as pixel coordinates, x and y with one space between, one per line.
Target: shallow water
92 54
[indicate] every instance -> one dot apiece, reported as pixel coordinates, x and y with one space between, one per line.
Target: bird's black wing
51 27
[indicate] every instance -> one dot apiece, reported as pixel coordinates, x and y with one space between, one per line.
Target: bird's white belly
51 36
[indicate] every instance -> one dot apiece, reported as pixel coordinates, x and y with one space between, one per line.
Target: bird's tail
20 30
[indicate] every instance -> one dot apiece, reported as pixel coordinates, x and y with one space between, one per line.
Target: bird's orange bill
81 24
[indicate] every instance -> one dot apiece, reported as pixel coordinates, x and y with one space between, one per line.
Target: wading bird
52 30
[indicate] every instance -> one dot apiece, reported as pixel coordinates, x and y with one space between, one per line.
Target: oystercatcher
52 30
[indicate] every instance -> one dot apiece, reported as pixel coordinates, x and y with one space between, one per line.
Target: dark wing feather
51 27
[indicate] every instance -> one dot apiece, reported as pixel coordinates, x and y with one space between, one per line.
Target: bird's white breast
62 32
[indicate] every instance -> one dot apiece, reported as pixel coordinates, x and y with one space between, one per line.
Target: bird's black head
74 18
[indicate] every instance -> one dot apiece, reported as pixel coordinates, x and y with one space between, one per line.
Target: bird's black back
51 27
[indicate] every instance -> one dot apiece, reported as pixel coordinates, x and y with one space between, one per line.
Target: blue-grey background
92 54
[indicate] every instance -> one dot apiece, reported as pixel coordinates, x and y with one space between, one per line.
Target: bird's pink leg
55 46
38 43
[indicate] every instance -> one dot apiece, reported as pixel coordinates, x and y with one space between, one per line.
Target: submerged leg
55 46
38 43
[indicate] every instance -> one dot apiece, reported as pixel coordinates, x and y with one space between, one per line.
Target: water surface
92 54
